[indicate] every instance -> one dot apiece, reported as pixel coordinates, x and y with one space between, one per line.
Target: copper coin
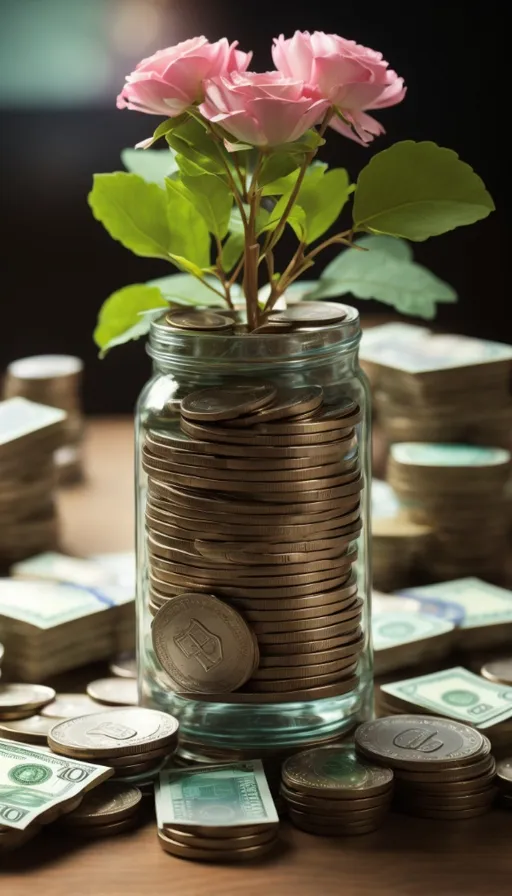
314 612
279 648
223 843
33 730
197 320
242 854
498 671
177 527
290 402
111 802
298 673
320 621
176 438
298 574
172 514
90 832
290 660
332 806
184 583
285 685
310 314
325 420
325 598
310 634
454 774
324 692
449 788
203 644
347 830
335 772
504 773
250 437
416 742
178 457
233 553
228 401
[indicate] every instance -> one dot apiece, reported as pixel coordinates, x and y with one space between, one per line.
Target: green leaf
276 169
133 212
232 251
120 320
211 196
186 265
163 129
392 245
285 185
184 289
189 237
154 165
192 141
418 190
409 287
322 196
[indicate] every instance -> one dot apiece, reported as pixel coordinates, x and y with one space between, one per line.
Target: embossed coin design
203 644
228 402
114 733
335 772
418 742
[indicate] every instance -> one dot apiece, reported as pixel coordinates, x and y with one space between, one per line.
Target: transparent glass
186 361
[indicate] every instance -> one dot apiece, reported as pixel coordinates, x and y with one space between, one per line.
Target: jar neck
174 350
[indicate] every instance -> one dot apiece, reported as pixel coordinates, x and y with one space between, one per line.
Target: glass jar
184 362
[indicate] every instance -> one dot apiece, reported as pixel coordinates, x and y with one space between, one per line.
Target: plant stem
221 273
241 177
251 284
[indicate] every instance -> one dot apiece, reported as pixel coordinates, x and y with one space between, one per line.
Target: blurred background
62 63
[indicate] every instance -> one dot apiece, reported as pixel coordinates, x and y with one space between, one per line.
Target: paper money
33 783
121 566
394 628
483 604
54 567
215 796
457 694
21 419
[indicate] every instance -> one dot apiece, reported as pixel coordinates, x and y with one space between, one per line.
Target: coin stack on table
330 791
504 782
111 808
460 491
29 435
398 543
217 813
54 380
19 701
440 388
135 742
443 769
252 515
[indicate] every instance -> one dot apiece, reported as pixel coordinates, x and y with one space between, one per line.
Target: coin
335 772
418 742
310 314
67 706
243 854
243 505
464 801
333 828
279 648
504 773
499 671
33 730
114 691
198 320
285 685
106 830
324 599
17 701
174 525
111 802
266 439
315 693
324 421
290 402
179 439
114 733
231 842
149 759
291 660
454 774
293 624
308 634
257 615
124 665
229 401
446 814
332 806
203 644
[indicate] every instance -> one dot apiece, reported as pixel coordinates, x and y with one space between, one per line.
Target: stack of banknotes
49 623
398 543
30 433
439 388
405 635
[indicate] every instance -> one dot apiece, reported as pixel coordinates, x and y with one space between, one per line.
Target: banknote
54 567
430 455
416 350
47 604
457 694
483 604
20 418
385 503
391 629
212 796
33 783
121 566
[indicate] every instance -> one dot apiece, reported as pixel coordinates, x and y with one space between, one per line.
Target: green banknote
47 604
390 629
430 455
215 796
457 694
34 782
483 604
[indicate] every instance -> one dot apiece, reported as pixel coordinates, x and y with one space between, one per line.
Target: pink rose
351 77
172 79
262 109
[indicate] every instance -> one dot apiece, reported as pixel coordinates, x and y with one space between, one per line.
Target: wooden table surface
406 857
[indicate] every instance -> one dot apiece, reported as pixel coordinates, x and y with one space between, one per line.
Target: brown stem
236 272
221 274
251 284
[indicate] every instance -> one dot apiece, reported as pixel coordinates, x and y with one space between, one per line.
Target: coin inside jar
310 314
197 320
228 402
290 402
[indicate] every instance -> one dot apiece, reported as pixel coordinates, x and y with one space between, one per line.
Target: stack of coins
114 691
2 651
397 542
458 490
19 701
504 782
440 388
254 497
112 808
54 380
331 792
216 813
29 435
443 769
134 742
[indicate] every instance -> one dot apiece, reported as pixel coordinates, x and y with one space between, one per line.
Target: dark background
62 63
